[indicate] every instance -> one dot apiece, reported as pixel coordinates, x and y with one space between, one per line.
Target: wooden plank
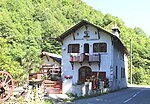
53 87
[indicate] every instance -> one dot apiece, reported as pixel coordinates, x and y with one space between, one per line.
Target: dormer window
99 47
73 48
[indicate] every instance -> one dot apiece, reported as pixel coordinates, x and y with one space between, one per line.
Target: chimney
115 30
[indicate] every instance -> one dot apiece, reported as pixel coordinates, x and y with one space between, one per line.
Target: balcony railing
85 57
94 58
76 58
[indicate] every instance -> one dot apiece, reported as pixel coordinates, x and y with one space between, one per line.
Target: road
131 95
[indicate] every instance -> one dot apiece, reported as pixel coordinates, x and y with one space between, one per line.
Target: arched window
86 48
84 73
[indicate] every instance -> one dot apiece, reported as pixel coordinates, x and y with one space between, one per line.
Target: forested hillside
28 27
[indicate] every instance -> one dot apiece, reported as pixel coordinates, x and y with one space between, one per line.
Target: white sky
134 13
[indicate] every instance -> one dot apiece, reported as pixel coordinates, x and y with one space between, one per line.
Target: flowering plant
68 76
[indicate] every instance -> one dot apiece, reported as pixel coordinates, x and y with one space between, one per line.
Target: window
122 72
99 47
86 48
116 72
73 48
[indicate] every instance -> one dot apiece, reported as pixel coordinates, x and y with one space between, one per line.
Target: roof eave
84 22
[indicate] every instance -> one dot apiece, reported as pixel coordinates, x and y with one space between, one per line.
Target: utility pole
130 61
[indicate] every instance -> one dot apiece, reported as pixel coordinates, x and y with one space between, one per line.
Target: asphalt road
131 95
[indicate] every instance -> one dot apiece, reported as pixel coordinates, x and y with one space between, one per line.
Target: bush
48 101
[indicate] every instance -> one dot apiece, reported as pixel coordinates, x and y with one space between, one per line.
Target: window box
68 76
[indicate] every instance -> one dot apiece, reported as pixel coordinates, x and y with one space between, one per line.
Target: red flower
68 76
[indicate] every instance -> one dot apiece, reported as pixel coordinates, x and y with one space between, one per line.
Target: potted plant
79 82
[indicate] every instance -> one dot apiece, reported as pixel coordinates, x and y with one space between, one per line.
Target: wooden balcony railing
85 57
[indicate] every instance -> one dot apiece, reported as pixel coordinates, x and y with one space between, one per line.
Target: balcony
85 57
94 58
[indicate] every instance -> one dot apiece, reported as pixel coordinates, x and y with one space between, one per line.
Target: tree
28 27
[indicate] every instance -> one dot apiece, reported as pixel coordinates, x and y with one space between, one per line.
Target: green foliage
48 101
28 27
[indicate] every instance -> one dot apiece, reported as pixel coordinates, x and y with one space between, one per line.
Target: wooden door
84 73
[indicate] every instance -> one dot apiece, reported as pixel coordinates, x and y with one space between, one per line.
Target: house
51 69
89 50
51 58
50 62
49 75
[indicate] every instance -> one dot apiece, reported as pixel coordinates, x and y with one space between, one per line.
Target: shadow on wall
67 85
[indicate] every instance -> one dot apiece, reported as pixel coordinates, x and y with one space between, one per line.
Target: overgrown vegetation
28 27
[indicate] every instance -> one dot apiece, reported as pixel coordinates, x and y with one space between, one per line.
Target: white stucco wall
119 60
105 57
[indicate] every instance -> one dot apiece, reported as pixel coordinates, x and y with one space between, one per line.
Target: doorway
85 72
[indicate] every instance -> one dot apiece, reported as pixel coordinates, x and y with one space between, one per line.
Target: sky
134 13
